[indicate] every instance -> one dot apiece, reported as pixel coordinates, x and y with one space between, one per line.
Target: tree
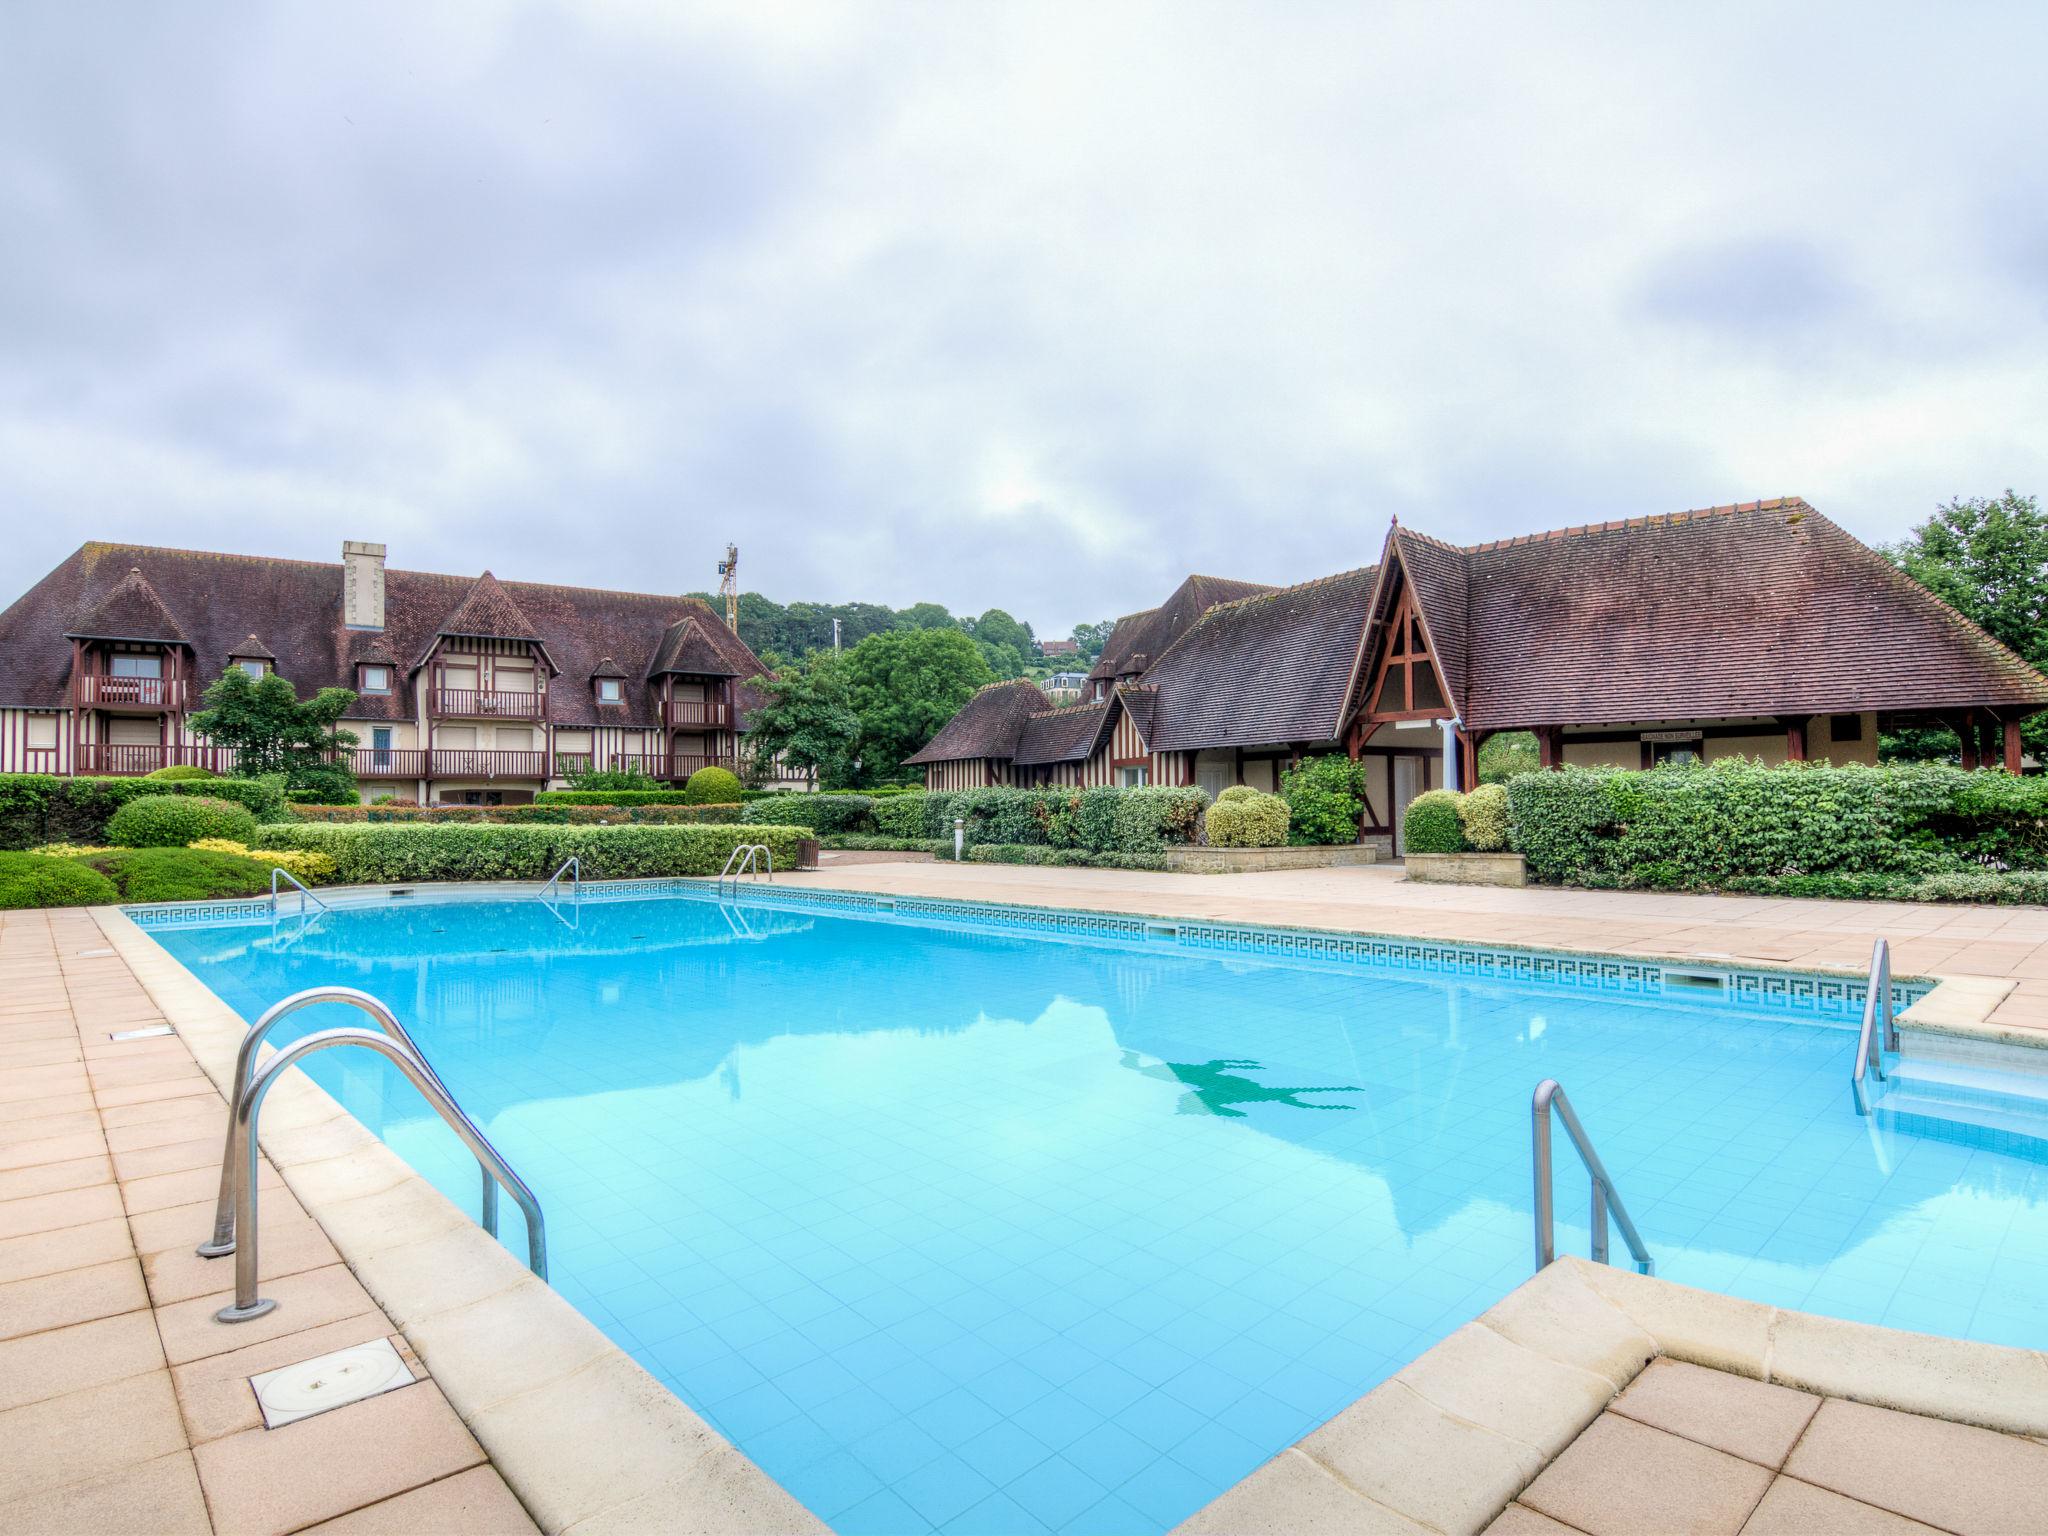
272 730
1093 637
926 616
997 628
1987 559
905 684
807 716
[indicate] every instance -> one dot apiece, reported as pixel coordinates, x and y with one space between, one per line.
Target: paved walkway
1697 1450
1926 940
124 1406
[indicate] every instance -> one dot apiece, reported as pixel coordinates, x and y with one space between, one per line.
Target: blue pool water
972 1228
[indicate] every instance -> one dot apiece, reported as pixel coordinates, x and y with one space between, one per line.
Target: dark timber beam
2012 746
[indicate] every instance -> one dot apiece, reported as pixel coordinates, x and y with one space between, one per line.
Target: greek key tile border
1817 996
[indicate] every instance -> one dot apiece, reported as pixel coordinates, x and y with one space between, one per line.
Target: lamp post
959 838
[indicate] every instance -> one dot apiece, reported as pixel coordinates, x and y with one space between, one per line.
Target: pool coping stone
1449 1441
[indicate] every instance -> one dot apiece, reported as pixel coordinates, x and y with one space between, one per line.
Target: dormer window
129 664
610 690
253 668
376 680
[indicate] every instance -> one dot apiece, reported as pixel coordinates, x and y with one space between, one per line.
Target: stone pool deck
1995 959
124 1407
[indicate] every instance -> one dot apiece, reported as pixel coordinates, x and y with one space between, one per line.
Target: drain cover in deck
329 1381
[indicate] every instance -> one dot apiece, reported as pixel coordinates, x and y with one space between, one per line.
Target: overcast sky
1031 306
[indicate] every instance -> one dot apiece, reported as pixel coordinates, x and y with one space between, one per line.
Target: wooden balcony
133 695
491 704
101 758
388 763
464 763
698 714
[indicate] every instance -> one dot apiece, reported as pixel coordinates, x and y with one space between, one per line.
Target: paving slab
1752 1419
1956 1476
1793 1508
1621 1478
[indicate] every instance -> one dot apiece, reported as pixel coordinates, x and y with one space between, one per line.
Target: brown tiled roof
296 606
607 668
690 647
988 725
1438 574
130 611
488 612
1758 609
1140 639
1264 670
1140 702
252 649
1068 735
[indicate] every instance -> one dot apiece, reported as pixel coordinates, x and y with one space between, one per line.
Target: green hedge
865 842
35 880
578 815
1738 825
1325 797
38 808
613 797
900 816
377 855
180 874
1099 820
1432 825
1243 817
823 814
1031 853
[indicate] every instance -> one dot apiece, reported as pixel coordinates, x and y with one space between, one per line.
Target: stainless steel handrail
576 879
745 858
222 1243
305 895
242 1148
1550 1095
1872 1042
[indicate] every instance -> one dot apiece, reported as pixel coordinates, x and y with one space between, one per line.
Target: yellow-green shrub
306 865
1485 817
1243 817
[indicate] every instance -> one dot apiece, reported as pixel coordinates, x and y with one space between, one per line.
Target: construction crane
729 586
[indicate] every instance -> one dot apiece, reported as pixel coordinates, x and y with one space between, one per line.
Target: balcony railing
388 763
497 704
462 763
706 714
94 690
113 759
669 765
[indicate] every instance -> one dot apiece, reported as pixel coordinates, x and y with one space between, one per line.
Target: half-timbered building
1758 630
468 689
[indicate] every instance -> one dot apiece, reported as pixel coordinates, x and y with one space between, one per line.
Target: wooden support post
1550 746
1649 758
1991 745
1966 731
2012 746
1795 737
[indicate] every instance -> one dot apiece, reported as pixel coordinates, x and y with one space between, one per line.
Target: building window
376 679
1130 778
610 690
127 664
253 668
1674 753
1845 727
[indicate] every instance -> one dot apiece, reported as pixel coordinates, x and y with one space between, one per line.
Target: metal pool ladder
744 860
235 1227
573 868
305 895
1550 1096
1872 1041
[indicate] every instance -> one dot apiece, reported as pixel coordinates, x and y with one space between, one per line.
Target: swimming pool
955 1224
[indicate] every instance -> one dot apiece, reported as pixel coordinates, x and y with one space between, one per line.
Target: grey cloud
998 306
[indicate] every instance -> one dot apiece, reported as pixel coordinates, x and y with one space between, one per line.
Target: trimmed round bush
712 786
1432 825
1484 815
172 821
178 771
1242 817
36 880
1324 796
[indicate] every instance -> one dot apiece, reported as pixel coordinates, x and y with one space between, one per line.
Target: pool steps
1954 1090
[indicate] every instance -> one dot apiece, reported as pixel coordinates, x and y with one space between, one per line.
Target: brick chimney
362 584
